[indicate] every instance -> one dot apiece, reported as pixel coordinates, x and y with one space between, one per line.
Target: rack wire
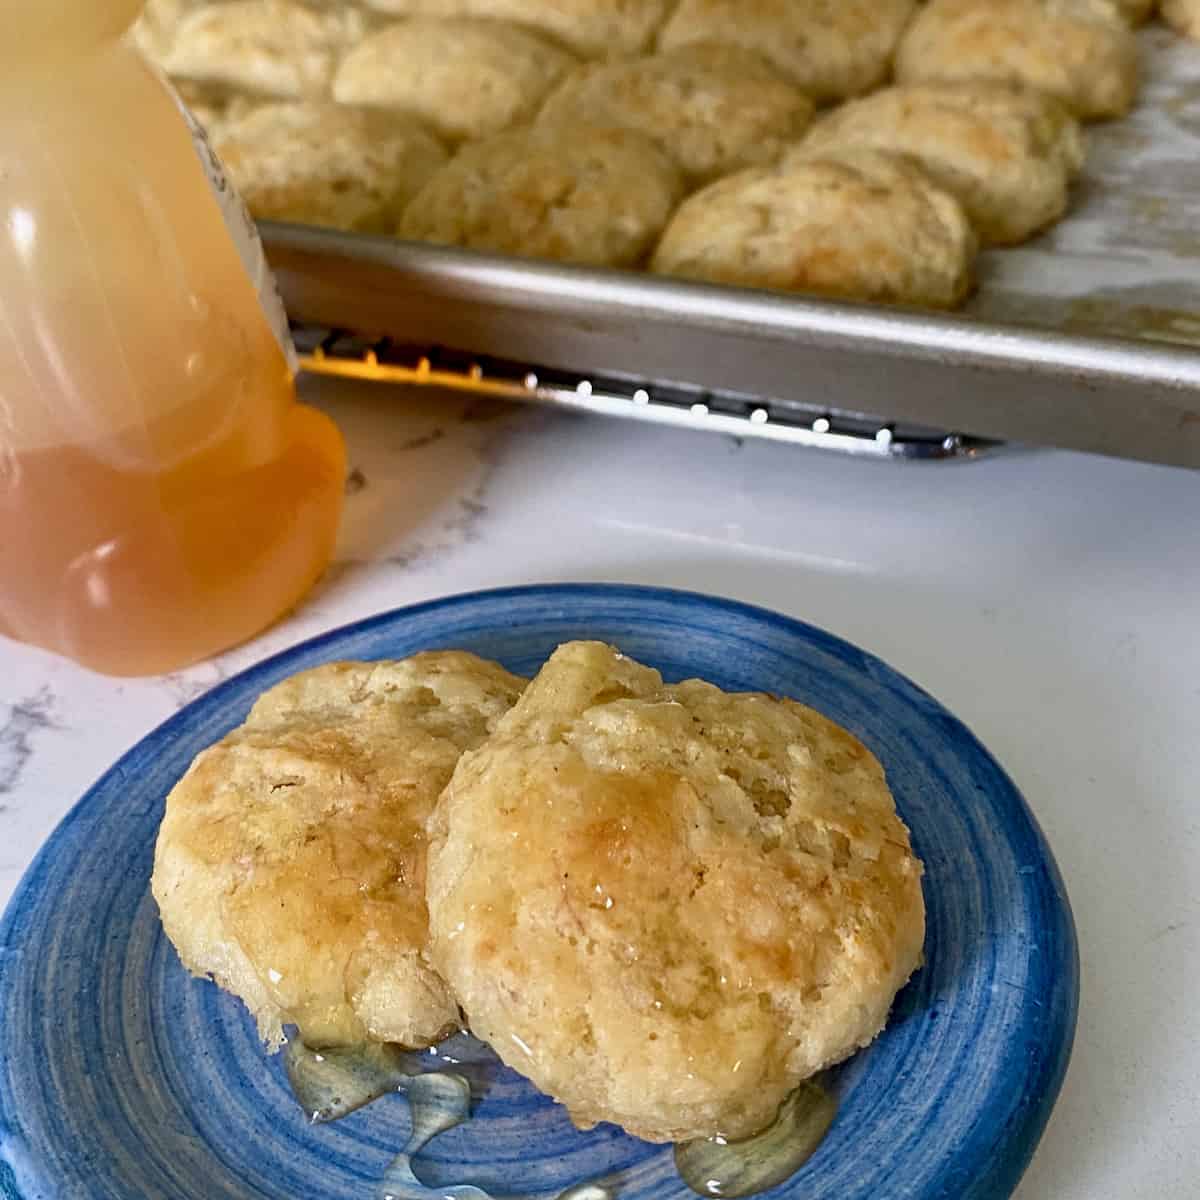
347 355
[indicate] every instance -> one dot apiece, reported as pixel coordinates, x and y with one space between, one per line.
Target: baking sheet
1126 261
1087 338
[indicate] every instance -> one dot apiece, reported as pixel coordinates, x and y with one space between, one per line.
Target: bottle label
245 236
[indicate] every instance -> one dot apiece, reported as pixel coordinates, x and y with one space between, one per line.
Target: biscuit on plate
1007 153
667 906
274 48
591 28
582 194
466 78
1071 49
317 163
1183 15
860 225
829 48
290 864
713 109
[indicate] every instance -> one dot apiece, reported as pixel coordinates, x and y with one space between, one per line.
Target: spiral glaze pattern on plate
123 1078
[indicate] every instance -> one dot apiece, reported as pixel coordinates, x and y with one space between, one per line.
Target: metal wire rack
348 355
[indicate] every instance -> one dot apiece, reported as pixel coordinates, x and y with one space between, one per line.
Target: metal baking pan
1088 338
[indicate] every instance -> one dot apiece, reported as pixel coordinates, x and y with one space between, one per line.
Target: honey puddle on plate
717 1167
333 1083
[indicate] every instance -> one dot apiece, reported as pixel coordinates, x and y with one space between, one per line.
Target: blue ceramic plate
122 1078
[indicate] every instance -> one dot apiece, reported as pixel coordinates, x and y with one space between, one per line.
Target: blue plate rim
1023 1134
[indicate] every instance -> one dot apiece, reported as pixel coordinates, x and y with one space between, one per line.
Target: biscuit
829 48
860 225
1008 154
274 48
209 115
316 163
713 109
1129 13
154 31
591 28
212 109
1183 15
212 115
1136 12
1068 48
669 905
581 194
467 79
290 864
1126 12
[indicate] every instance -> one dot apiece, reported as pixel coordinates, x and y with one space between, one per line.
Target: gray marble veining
20 728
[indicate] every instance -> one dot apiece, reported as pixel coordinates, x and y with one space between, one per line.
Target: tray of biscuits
916 227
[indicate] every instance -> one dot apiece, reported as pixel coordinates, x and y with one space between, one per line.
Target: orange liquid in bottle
154 568
162 494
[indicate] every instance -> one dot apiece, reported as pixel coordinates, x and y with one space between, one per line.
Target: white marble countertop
1051 600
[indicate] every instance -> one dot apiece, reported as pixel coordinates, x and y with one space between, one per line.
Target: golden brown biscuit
591 28
860 225
466 78
273 48
317 163
668 905
712 109
582 195
1068 48
1183 15
1008 154
290 864
829 48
